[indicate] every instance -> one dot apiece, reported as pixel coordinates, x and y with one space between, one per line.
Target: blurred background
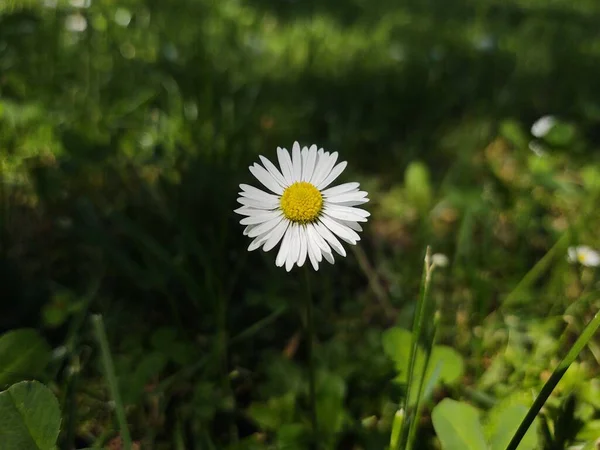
126 127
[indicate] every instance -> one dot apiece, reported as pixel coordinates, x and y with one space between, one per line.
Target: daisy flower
542 126
439 260
300 210
584 255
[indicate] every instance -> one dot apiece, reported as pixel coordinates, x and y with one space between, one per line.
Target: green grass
122 149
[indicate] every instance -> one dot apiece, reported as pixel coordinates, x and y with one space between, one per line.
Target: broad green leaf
445 366
331 390
511 130
30 417
292 437
505 425
457 426
23 354
590 431
561 134
274 413
418 186
591 445
396 345
590 175
449 363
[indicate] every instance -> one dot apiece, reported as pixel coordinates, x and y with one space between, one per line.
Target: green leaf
30 417
505 423
457 426
23 354
511 130
450 361
276 412
446 361
418 186
561 134
591 445
292 437
590 175
331 390
396 345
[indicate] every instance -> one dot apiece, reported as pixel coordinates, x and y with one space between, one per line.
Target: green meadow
133 316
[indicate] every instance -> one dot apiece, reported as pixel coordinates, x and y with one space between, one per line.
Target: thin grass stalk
538 269
111 378
310 337
417 327
418 408
558 373
396 428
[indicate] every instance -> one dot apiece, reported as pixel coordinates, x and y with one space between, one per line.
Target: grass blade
111 378
558 373
417 329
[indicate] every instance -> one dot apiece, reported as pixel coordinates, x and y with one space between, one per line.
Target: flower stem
310 338
111 378
558 373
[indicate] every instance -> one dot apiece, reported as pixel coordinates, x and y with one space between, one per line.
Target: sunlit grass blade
558 373
111 378
417 329
396 428
418 407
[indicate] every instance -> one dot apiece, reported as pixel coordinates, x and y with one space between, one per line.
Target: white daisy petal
340 189
330 238
273 171
324 167
292 256
285 162
342 231
260 218
303 246
309 168
247 211
276 235
304 159
296 162
329 257
350 224
258 204
257 242
247 229
349 209
312 256
265 227
261 197
335 172
252 190
284 249
313 235
266 178
347 197
353 203
338 214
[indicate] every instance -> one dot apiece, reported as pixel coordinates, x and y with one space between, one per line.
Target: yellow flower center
301 202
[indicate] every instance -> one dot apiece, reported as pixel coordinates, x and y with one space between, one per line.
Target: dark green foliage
126 127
